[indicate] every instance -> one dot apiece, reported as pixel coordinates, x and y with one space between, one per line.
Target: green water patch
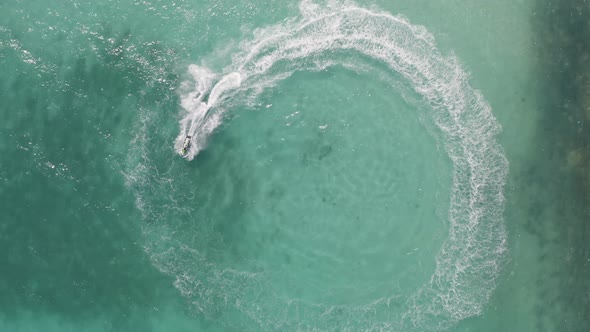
68 223
337 217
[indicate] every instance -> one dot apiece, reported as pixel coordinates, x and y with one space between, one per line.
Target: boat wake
322 36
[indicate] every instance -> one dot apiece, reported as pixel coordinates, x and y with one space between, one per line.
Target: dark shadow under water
562 165
68 223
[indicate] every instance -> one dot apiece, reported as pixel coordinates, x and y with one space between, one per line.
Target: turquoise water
369 166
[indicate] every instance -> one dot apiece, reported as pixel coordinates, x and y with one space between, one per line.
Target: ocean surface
353 166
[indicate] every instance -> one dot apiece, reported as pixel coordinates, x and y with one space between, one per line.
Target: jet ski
186 145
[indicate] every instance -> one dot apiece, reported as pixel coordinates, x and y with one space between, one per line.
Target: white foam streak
197 122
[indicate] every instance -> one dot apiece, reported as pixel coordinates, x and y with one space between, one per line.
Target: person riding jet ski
186 145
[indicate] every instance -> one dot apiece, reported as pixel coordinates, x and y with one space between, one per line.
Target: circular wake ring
469 260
